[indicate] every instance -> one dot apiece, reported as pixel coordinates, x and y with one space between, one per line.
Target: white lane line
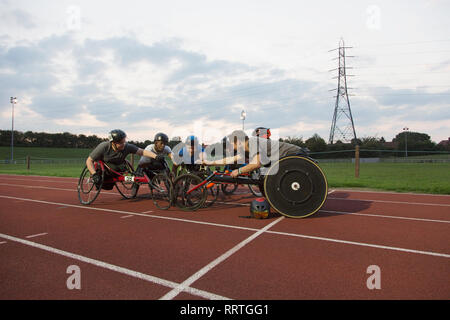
36 235
48 188
331 191
200 273
384 216
131 213
31 175
3 242
37 180
149 211
234 203
239 203
437 254
128 216
398 193
128 272
396 202
226 226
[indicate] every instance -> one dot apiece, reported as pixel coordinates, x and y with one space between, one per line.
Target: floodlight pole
406 140
13 101
243 114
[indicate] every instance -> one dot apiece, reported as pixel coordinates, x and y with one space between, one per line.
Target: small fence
353 157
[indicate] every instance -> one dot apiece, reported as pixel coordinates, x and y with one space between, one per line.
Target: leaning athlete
259 153
113 153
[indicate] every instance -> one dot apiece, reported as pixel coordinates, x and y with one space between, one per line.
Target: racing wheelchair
126 183
295 186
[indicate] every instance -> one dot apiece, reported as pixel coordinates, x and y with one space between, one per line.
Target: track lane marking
392 192
49 188
128 216
245 204
200 273
241 228
429 253
105 265
36 235
384 216
131 213
396 202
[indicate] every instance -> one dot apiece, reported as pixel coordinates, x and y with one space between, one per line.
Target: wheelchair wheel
126 189
229 189
88 191
255 189
189 201
212 194
161 191
296 187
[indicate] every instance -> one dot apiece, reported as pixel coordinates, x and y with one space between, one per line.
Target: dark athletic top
105 152
263 147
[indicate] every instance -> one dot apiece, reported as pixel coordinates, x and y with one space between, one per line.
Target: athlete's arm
253 165
146 153
90 165
220 162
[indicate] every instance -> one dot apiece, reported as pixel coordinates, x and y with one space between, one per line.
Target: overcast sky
186 67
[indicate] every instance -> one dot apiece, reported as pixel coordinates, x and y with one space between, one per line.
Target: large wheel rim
298 189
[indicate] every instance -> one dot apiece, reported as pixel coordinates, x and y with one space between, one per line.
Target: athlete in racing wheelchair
113 153
292 182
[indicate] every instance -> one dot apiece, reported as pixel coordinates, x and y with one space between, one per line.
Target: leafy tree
316 143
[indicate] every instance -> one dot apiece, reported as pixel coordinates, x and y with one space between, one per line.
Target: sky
191 67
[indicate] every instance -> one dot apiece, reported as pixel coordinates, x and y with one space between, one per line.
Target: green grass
43 153
401 177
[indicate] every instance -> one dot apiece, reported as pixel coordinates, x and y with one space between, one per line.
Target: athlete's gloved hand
159 158
96 178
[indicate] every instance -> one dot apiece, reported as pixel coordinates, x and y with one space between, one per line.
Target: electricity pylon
342 126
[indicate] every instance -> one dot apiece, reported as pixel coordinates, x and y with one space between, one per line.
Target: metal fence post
28 162
357 161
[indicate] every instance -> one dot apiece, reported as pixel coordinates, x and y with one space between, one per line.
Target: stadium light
406 140
13 101
243 114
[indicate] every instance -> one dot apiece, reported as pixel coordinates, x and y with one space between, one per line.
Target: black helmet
260 208
162 137
117 135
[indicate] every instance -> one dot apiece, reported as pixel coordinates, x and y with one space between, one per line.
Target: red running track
129 249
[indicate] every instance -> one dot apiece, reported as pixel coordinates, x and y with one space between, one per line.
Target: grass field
402 177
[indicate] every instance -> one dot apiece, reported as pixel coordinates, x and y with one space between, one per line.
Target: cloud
19 18
121 82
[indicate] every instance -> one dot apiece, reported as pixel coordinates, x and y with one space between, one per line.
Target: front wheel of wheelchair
161 191
126 189
296 187
88 191
185 194
212 193
229 189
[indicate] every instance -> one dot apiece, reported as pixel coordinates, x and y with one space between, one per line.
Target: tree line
59 140
415 141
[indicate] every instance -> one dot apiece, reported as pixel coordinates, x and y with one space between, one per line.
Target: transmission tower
342 126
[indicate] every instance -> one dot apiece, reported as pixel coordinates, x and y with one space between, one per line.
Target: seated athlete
259 152
190 155
161 149
113 153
